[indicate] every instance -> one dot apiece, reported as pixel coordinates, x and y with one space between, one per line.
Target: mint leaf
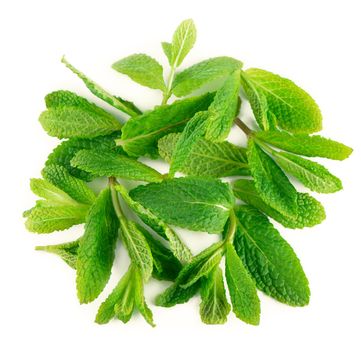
47 219
243 293
175 294
67 251
214 307
271 183
183 40
269 258
310 146
75 188
168 51
140 135
224 109
313 175
96 250
309 213
293 108
65 152
202 73
206 158
102 163
195 203
124 106
143 69
76 118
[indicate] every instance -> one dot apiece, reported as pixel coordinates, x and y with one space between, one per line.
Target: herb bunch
190 134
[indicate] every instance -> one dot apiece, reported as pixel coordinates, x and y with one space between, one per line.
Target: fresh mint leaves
190 134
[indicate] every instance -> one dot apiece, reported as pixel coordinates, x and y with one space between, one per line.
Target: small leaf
143 69
175 294
168 51
271 183
214 307
313 175
183 40
96 250
102 163
202 73
310 146
243 293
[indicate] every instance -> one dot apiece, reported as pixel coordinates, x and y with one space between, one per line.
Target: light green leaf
63 153
243 293
175 294
137 247
310 146
96 250
168 51
178 248
199 204
77 117
293 108
67 251
207 158
269 258
46 219
102 94
140 135
271 183
202 73
191 134
313 175
224 109
75 188
102 163
214 307
143 69
183 40
309 213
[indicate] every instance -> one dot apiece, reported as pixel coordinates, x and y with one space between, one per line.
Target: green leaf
175 294
178 248
74 187
102 163
271 183
207 158
137 247
96 250
258 102
195 203
98 91
123 296
269 258
243 293
47 219
202 73
77 117
183 40
67 251
168 51
140 135
191 134
63 153
309 213
310 146
143 69
201 265
224 109
214 307
313 175
293 108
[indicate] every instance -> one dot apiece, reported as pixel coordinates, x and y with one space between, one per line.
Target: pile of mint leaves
190 134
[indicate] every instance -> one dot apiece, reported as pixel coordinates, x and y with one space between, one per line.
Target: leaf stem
115 199
232 228
243 126
167 92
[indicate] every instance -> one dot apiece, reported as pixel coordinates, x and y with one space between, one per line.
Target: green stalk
167 92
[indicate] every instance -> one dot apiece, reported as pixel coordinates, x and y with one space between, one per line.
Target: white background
315 43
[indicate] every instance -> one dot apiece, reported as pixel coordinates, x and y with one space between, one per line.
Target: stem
167 92
243 126
232 228
115 199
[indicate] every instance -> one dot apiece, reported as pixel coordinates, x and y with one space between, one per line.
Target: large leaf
269 258
96 250
293 109
195 203
140 135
